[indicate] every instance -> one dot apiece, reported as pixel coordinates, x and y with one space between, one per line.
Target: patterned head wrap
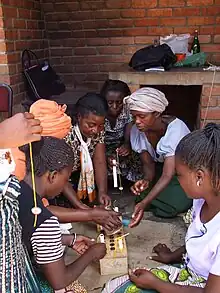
147 100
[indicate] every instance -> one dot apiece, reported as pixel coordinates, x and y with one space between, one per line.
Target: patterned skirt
167 273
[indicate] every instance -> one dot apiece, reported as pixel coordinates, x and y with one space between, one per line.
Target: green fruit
132 289
184 275
161 274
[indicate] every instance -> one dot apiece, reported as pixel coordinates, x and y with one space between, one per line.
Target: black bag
41 80
153 56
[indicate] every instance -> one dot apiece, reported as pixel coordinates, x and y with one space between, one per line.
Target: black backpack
42 82
153 56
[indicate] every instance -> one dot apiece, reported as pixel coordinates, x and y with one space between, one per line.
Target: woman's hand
98 251
139 186
20 129
137 215
163 254
110 161
82 244
143 279
104 199
124 150
107 219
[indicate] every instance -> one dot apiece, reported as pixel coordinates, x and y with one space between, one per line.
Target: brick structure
21 27
90 38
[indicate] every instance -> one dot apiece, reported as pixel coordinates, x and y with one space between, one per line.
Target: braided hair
49 154
201 149
112 85
89 103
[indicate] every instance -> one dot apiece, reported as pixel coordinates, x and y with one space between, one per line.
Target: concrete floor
140 242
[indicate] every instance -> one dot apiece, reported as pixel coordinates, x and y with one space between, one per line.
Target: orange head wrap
54 122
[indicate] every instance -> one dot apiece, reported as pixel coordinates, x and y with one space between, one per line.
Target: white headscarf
147 100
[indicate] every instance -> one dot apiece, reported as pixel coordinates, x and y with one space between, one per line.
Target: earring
198 183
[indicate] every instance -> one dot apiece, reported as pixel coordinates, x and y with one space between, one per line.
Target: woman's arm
148 166
167 175
146 280
127 133
70 194
60 276
100 167
66 215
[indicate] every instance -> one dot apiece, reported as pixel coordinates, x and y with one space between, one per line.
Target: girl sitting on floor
52 167
198 170
118 123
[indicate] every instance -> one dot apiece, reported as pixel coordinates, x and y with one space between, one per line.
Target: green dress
171 201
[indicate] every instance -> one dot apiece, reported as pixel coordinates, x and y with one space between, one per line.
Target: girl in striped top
52 167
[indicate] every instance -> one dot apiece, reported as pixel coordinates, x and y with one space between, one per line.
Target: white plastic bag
177 43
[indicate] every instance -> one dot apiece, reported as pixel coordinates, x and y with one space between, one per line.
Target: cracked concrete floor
140 241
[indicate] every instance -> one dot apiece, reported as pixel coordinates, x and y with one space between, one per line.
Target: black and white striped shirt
46 242
43 241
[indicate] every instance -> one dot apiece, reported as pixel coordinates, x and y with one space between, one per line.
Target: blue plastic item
126 222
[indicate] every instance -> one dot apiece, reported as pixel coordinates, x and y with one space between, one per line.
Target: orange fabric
52 116
54 122
45 202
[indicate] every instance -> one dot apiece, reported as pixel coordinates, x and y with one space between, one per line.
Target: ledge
175 76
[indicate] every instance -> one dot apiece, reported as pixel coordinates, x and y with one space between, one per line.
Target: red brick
4 69
205 39
212 10
159 31
145 40
133 13
66 7
109 14
144 3
184 30
10 12
213 113
120 23
159 12
216 59
217 39
146 22
2 34
85 51
110 33
86 69
88 34
211 48
122 41
218 20
109 67
113 4
206 30
173 21
109 50
80 15
19 23
171 3
135 32
90 24
186 11
61 52
201 20
98 42
24 13
92 5
199 2
2 46
206 102
131 49
215 90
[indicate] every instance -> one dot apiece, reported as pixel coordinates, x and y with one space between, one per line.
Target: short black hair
49 154
201 149
89 103
112 85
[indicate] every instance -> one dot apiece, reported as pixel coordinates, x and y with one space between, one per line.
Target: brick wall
21 27
90 38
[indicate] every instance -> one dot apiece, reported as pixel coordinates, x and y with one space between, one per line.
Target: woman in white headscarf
155 137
